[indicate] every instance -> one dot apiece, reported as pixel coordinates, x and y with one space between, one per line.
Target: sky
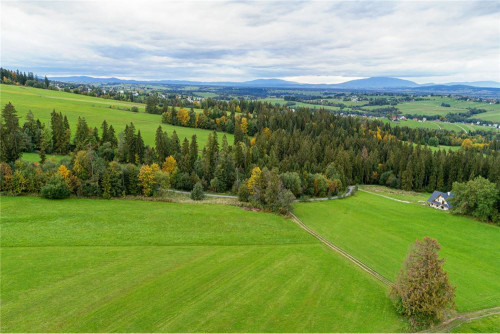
310 42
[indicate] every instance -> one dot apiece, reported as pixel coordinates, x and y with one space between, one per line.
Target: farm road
394 199
347 193
460 319
342 252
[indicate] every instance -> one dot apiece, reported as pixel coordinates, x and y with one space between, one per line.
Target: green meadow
34 157
431 106
379 232
42 101
489 324
83 265
435 125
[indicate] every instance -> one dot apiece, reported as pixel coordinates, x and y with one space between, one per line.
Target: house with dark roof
439 200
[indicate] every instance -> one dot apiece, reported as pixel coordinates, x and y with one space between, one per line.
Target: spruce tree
12 137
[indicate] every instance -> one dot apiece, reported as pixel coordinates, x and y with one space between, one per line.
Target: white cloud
309 41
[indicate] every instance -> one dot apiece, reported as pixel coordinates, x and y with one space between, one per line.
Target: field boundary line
462 318
394 199
342 252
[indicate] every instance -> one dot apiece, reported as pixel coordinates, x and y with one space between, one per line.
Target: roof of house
436 194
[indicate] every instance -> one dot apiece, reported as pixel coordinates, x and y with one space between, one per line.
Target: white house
439 200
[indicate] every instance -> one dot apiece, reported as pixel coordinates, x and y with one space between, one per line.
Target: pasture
41 102
379 232
34 157
483 325
431 106
83 265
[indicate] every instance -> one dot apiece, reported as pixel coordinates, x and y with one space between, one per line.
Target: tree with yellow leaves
254 179
147 178
169 165
63 171
244 125
467 144
183 116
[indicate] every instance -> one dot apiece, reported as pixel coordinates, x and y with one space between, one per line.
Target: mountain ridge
366 83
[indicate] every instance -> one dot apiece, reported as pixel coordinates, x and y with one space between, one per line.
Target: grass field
410 196
435 125
41 102
35 157
84 265
484 325
280 101
379 232
431 106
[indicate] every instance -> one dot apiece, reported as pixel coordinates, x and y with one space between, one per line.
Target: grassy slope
41 102
379 231
432 106
409 196
34 157
483 325
78 266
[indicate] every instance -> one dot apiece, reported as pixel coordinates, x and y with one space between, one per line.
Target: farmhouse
439 200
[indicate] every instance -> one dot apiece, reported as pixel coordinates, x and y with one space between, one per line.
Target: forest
277 155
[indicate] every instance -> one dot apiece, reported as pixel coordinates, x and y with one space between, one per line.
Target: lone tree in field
422 291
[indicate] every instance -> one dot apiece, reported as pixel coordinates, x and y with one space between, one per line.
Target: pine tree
185 160
130 141
175 146
112 137
12 138
139 148
82 134
238 134
193 152
160 144
105 135
42 152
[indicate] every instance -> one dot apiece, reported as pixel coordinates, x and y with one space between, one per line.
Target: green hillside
133 266
379 232
42 101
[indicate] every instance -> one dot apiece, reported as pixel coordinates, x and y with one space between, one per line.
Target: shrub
55 188
134 109
291 181
243 194
197 194
477 198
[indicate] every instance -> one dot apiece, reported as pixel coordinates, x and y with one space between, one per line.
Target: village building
439 200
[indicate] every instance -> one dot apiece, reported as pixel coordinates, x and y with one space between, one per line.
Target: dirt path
346 194
342 252
391 198
208 195
443 327
460 319
461 127
439 126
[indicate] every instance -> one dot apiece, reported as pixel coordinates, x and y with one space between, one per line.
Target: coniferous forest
278 154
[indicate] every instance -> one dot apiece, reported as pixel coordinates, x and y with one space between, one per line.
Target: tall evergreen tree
11 136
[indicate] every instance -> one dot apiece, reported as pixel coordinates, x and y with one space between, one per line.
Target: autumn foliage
422 291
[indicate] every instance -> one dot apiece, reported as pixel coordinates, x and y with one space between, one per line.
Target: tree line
298 154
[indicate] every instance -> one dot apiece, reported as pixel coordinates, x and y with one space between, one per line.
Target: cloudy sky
316 42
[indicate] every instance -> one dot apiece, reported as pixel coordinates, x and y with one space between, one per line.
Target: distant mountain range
374 83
